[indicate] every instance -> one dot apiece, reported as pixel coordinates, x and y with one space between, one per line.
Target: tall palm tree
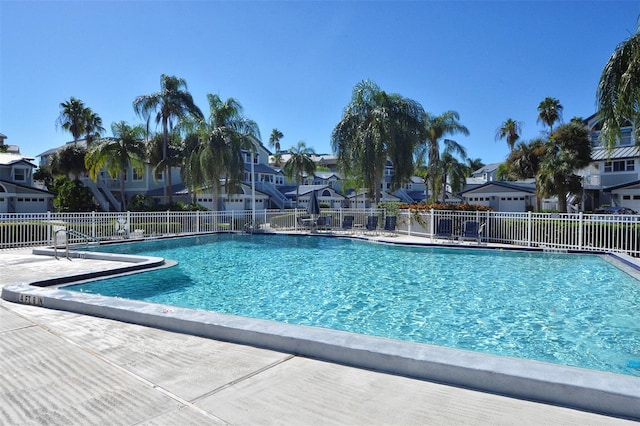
72 117
92 126
223 139
550 112
274 139
619 91
569 149
436 129
510 130
117 153
376 127
299 164
171 103
524 162
453 170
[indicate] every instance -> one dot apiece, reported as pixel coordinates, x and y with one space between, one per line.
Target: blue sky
293 64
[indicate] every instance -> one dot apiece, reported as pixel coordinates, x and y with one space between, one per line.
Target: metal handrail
86 238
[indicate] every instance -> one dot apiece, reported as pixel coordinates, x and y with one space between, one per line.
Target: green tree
376 127
69 161
436 129
568 150
454 172
92 126
117 153
618 91
72 117
274 139
509 130
550 112
474 164
299 164
71 196
171 103
524 163
223 139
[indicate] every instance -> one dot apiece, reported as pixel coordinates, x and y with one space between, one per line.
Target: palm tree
455 171
550 111
222 140
69 161
72 117
509 130
274 139
569 149
435 129
299 164
524 163
117 153
172 102
619 90
376 127
92 126
474 164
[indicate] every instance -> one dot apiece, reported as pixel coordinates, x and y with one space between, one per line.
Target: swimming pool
576 310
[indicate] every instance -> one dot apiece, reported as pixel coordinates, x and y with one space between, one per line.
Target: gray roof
616 153
516 186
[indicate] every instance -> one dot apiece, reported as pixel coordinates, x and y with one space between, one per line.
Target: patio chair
372 223
390 224
445 229
347 223
324 223
471 231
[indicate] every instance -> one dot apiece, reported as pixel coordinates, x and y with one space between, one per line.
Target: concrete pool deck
65 368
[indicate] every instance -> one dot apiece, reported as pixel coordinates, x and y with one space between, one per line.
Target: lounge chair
471 230
372 223
347 223
390 224
324 223
445 229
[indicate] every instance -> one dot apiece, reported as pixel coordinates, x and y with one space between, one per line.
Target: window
159 176
19 175
136 176
619 166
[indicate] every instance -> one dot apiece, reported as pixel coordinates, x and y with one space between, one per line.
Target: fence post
409 222
48 226
197 221
432 222
168 224
530 216
93 224
580 230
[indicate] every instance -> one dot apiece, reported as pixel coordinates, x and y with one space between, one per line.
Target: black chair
390 224
347 223
324 223
445 228
372 223
472 231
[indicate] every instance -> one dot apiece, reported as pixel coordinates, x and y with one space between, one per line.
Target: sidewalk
65 368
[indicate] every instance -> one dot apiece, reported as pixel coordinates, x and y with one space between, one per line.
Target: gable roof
528 187
8 159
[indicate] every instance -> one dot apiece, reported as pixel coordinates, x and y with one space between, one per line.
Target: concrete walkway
64 368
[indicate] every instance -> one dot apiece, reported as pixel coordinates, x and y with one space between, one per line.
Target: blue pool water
577 310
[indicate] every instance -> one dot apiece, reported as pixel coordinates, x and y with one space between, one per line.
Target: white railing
584 232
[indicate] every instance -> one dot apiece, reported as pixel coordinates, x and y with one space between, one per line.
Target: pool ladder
85 237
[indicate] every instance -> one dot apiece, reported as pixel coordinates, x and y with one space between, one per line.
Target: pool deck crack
243 378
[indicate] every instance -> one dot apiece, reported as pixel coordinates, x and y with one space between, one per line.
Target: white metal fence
588 232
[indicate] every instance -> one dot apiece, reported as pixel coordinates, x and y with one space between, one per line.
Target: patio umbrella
313 208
